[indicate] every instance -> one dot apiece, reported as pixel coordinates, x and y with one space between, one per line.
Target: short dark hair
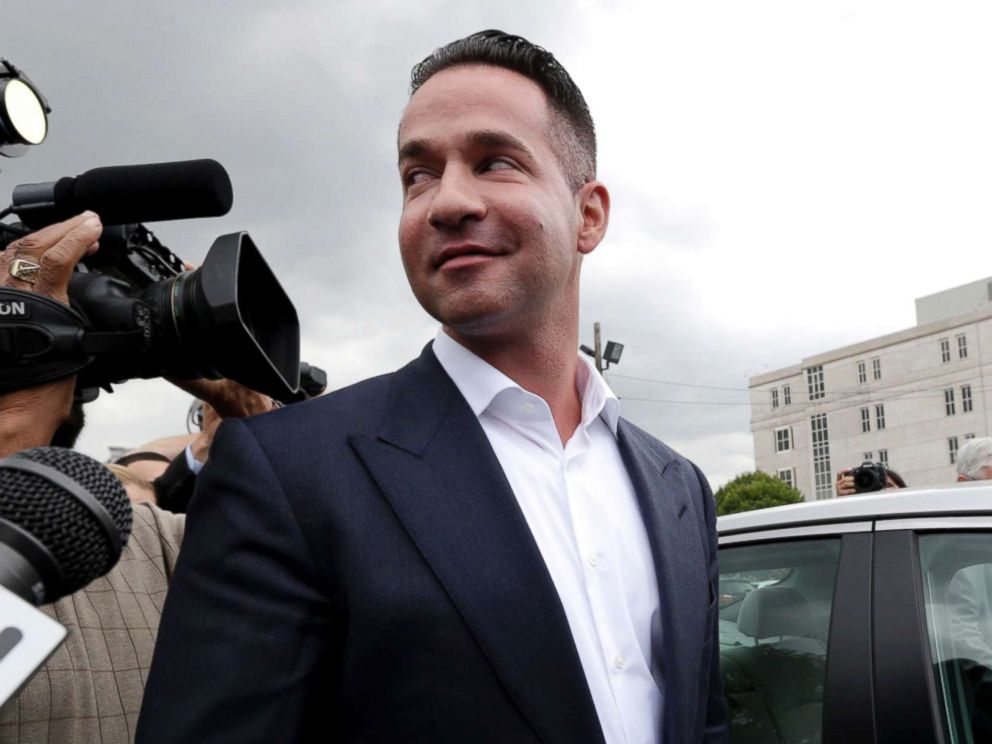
896 478
574 139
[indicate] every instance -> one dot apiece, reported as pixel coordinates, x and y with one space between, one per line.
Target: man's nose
456 200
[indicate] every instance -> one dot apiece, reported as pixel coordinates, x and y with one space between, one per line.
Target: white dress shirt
580 505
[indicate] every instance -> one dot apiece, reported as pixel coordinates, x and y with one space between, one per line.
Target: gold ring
26 271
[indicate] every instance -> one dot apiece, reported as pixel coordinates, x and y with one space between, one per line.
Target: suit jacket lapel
670 519
435 466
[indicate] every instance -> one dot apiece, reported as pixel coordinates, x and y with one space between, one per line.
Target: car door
951 561
795 649
859 632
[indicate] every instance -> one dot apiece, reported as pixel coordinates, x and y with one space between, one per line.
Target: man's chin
475 326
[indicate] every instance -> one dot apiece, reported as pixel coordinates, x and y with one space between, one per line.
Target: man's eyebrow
479 138
413 148
496 139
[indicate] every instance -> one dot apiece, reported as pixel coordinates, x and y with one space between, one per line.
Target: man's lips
464 255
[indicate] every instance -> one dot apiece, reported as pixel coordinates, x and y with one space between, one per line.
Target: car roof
959 499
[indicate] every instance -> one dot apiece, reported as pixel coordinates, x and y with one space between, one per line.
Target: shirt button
594 559
528 408
619 661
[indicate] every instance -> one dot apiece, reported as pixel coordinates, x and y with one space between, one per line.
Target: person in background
91 688
138 488
974 460
845 481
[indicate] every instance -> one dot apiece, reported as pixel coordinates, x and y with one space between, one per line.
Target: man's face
489 230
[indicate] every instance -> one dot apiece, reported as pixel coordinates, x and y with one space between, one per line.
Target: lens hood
234 318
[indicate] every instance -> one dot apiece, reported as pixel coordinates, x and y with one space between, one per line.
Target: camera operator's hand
228 398
223 399
845 483
200 446
29 417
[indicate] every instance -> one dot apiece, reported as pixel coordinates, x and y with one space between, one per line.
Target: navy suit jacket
356 568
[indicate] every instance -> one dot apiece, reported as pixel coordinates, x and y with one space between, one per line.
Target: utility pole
598 347
603 358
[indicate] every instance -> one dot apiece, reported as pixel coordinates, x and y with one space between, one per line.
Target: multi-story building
909 399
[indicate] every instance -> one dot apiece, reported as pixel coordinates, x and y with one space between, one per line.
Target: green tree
754 491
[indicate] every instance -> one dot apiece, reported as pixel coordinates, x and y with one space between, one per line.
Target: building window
945 350
865 420
952 449
783 439
962 346
968 436
949 401
820 439
965 398
786 395
814 378
786 475
883 457
879 416
876 369
774 397
862 372
866 457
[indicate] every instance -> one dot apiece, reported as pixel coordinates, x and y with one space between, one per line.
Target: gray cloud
300 101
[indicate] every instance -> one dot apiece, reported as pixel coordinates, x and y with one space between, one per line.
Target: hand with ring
42 262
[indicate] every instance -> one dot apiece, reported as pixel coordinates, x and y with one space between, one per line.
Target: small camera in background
868 477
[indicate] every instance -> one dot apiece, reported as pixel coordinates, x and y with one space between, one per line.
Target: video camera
134 309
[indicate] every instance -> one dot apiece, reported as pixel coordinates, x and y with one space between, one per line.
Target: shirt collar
479 382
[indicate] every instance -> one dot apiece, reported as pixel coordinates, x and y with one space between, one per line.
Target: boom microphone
64 520
129 193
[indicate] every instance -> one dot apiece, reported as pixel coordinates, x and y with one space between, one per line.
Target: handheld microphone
126 194
64 520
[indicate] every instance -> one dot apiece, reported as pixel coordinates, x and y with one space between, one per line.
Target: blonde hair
128 477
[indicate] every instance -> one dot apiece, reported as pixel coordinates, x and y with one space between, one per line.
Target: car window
775 601
957 589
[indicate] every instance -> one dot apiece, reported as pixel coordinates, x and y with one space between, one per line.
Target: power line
875 395
678 384
936 395
685 402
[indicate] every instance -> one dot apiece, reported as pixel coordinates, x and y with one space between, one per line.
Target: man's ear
594 213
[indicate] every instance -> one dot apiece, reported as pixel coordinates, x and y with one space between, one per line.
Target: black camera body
135 312
869 477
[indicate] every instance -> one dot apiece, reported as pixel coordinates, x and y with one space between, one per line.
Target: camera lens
229 318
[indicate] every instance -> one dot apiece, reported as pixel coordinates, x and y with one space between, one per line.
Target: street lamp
603 360
613 352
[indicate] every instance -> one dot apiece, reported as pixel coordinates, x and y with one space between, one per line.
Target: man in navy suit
475 548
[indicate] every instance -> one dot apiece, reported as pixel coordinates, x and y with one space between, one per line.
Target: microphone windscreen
71 531
149 193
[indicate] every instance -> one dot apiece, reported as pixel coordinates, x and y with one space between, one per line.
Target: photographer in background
42 262
867 478
91 688
112 622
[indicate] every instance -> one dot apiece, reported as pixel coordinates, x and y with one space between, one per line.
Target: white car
869 620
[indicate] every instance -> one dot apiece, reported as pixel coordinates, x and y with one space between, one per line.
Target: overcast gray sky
786 176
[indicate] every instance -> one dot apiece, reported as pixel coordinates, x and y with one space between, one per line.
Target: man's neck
545 367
